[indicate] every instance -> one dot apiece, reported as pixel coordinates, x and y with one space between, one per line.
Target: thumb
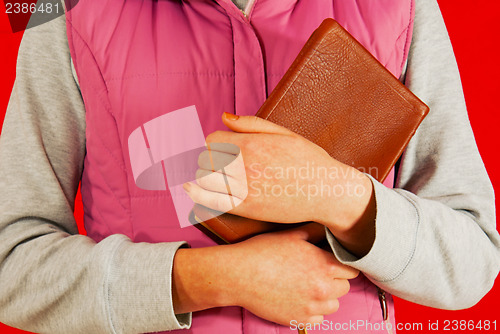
253 124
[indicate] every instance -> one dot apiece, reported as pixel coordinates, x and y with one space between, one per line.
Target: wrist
350 214
199 279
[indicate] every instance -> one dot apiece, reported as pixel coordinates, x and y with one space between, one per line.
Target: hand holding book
339 97
288 178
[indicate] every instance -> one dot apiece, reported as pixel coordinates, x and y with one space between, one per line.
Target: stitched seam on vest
88 214
99 91
114 195
99 94
234 80
107 108
408 29
159 74
394 51
121 165
234 62
400 69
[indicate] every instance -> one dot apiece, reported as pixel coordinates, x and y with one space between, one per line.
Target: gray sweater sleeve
436 241
54 280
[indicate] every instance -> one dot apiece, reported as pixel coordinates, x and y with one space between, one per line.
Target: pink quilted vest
137 60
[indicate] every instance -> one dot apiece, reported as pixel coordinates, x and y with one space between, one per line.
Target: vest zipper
385 309
383 304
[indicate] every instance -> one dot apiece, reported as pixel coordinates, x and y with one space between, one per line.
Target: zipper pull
383 304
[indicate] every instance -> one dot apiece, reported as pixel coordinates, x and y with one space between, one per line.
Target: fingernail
187 186
230 117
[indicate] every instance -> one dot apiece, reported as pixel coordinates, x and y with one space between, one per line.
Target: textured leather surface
337 95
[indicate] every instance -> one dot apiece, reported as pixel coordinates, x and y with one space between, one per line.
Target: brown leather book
337 95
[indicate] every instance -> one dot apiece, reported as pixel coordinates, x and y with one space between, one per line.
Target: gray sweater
436 240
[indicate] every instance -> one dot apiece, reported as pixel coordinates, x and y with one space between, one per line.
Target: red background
473 30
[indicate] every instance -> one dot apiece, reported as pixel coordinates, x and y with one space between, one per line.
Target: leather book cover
337 95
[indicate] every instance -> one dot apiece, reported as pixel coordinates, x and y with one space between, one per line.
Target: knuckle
332 270
322 290
309 310
320 294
